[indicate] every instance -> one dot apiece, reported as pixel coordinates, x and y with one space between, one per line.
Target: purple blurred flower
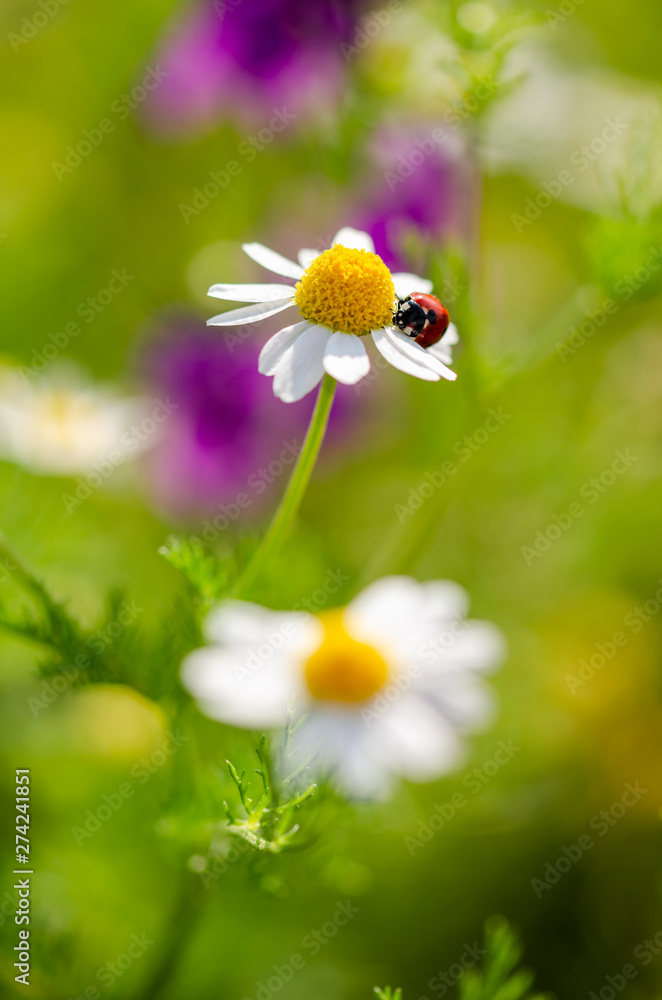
243 58
229 435
425 194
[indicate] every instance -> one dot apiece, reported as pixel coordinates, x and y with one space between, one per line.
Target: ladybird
422 317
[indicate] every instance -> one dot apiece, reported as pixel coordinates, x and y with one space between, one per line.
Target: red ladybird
422 317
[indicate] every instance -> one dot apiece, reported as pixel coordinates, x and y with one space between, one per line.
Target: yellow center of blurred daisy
343 669
347 290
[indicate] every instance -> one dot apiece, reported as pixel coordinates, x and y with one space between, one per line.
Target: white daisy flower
58 424
387 685
342 294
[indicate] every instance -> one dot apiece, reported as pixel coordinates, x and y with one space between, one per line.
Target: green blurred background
521 293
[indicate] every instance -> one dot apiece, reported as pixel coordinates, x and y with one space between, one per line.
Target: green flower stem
296 488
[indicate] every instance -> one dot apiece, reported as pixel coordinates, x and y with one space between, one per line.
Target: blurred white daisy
387 685
59 424
342 294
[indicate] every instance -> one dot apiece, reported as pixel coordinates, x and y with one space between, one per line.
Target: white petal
245 624
400 360
380 605
354 239
451 335
301 368
337 746
463 700
406 283
273 261
275 347
228 691
234 622
249 293
237 317
345 358
307 256
249 680
397 602
402 618
416 741
467 645
415 352
443 350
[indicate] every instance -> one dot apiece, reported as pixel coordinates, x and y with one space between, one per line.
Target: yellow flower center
347 290
343 669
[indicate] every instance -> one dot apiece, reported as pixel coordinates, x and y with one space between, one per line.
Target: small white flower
342 294
387 685
58 424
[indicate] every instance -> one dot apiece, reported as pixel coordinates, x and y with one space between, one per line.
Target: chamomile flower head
386 686
60 423
343 294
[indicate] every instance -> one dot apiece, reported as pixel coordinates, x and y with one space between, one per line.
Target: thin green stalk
296 488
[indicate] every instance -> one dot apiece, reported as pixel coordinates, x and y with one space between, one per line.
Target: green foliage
480 53
621 251
267 821
566 417
46 620
499 978
115 651
208 577
388 994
